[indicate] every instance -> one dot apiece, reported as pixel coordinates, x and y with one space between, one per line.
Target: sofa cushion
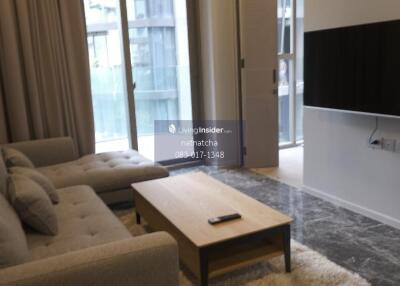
40 179
3 174
32 204
15 158
84 221
13 244
106 171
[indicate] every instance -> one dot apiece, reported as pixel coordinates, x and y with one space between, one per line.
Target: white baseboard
353 207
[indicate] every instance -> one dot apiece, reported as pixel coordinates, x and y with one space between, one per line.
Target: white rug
309 268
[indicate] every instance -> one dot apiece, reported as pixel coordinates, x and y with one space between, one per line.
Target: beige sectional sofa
92 246
109 174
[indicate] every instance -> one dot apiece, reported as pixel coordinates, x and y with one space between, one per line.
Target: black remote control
223 218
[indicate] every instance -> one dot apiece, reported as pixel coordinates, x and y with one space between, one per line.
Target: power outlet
388 144
376 144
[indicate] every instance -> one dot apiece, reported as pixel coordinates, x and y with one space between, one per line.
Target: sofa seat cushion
84 221
105 172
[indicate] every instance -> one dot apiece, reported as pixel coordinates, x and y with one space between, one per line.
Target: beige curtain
44 72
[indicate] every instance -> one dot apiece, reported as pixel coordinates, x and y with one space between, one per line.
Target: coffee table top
189 200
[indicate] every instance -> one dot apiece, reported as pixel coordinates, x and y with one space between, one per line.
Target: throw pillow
13 245
15 158
39 178
32 204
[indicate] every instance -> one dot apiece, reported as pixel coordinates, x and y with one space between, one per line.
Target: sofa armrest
45 152
141 261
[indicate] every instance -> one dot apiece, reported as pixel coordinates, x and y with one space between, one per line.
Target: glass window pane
291 81
141 58
284 101
160 64
145 9
161 8
284 26
140 9
154 71
100 11
106 71
92 56
299 68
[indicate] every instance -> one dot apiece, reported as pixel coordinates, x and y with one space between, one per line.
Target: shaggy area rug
309 268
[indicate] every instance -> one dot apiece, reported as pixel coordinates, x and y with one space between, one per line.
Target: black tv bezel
348 111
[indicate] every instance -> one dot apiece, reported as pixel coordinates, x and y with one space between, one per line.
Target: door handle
134 85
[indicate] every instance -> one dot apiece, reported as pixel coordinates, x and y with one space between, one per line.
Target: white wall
338 165
325 14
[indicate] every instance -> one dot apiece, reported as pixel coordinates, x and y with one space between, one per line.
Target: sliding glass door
159 47
106 70
158 51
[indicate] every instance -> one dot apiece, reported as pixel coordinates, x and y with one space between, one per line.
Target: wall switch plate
388 144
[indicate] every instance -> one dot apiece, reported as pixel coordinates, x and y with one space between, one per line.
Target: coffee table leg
286 247
137 218
203 267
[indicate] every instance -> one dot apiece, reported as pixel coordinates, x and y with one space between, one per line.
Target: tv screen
354 68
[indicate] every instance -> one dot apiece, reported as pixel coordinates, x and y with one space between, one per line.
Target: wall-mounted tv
354 68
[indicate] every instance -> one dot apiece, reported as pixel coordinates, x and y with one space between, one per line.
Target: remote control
223 218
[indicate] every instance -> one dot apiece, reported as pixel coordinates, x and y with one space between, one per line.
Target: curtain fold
44 72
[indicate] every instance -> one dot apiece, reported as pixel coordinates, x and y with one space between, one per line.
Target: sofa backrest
3 174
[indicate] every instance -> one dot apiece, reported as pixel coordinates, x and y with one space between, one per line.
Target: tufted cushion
32 204
13 245
84 221
105 172
40 179
15 158
3 174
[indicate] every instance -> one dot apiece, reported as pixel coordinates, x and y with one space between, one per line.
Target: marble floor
351 240
290 169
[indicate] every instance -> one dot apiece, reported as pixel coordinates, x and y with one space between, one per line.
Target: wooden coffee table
181 205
